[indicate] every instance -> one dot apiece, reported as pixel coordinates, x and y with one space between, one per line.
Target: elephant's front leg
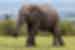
32 31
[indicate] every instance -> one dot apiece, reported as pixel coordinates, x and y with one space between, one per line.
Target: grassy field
43 43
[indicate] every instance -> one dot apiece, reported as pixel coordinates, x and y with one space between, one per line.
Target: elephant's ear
21 11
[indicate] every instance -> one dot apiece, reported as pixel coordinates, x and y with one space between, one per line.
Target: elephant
39 17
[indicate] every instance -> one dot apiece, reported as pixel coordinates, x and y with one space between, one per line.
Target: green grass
43 43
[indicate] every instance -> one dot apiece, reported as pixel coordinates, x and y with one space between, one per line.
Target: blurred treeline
67 27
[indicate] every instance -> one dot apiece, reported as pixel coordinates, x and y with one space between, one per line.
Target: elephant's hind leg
57 37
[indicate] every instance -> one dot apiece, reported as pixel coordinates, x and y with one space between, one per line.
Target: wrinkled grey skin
41 18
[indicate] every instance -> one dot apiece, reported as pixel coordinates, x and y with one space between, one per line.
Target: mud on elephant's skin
41 18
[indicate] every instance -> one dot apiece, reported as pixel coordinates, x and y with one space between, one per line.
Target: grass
43 43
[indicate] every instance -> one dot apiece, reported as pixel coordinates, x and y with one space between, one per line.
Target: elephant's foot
55 44
30 45
62 44
58 44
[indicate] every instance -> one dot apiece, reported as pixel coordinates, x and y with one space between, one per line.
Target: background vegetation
67 27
